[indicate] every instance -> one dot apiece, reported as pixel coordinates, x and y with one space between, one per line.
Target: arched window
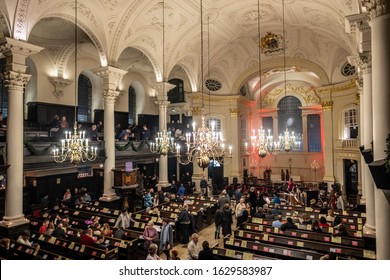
132 105
314 133
290 115
351 118
84 99
176 95
3 92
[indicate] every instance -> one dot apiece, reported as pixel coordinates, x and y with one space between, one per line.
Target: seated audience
206 253
288 225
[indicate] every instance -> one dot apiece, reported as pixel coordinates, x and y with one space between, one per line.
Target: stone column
366 140
378 11
327 107
235 142
15 78
162 103
198 172
111 78
305 147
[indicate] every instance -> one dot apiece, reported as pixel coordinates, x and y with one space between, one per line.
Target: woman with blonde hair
152 250
106 230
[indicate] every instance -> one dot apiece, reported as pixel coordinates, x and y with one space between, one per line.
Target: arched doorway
215 173
351 180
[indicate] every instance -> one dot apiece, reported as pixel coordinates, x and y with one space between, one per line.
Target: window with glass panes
290 116
314 133
351 118
4 92
132 105
84 99
217 124
268 125
176 95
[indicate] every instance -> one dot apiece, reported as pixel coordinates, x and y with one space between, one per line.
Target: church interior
102 101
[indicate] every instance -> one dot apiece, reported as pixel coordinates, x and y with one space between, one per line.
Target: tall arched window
290 115
132 105
314 133
176 95
3 92
84 99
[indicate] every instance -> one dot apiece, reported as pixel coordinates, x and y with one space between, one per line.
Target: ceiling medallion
272 43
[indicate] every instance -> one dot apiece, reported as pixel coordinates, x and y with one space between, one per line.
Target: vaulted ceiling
129 34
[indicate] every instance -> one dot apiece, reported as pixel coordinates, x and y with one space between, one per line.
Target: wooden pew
24 252
309 235
294 242
72 249
230 254
270 250
126 248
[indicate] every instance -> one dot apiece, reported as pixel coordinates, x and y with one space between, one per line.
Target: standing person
152 250
150 234
223 199
181 192
183 221
67 197
290 185
166 238
192 248
339 202
207 252
218 223
145 134
123 220
227 220
238 193
203 186
240 208
148 198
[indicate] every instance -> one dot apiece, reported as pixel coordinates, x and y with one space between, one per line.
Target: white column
162 103
327 107
380 40
15 78
304 132
366 140
235 142
111 78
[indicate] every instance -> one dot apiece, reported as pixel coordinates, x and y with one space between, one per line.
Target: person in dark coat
218 223
227 220
206 253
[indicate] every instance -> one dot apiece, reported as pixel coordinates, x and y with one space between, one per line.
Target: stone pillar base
162 184
109 197
369 231
12 228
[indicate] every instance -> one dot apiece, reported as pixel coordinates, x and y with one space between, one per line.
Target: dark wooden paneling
43 113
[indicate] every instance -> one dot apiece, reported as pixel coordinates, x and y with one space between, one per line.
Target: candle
230 150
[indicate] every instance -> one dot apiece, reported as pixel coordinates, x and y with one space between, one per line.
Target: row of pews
258 237
81 216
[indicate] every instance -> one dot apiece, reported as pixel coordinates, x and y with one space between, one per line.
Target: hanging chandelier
261 142
75 147
288 140
164 142
204 143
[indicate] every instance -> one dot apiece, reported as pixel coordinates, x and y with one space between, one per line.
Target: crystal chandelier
262 144
204 143
288 140
164 143
75 147
262 141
